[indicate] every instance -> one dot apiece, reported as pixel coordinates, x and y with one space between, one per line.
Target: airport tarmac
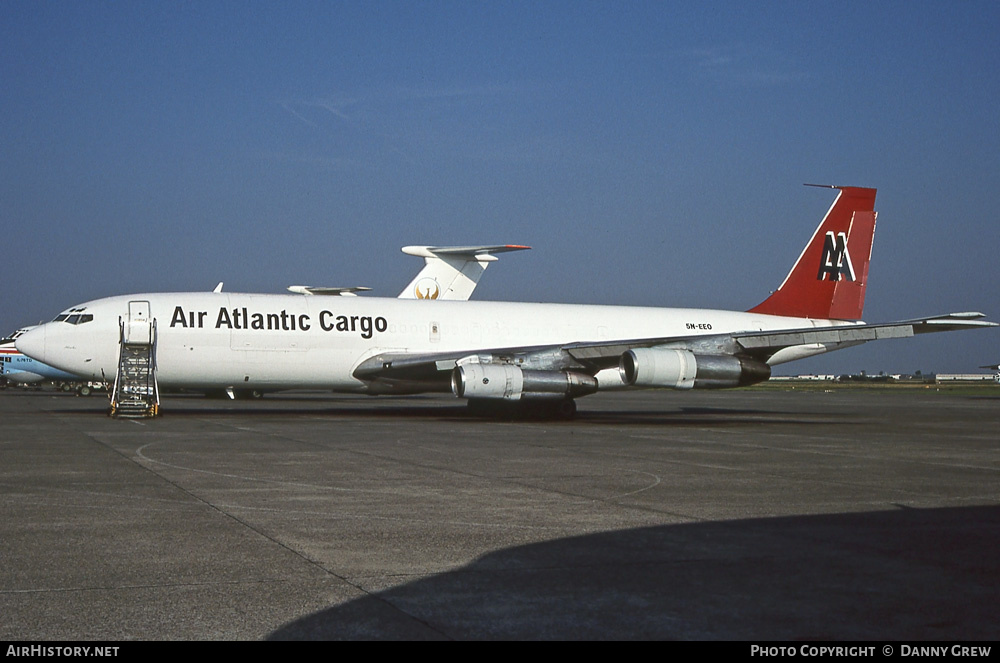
748 515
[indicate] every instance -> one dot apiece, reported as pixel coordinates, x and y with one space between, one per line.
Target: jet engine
682 369
509 382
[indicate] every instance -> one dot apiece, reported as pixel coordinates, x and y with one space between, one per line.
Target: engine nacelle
682 369
508 382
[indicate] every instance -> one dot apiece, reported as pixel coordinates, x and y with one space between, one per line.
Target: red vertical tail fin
829 278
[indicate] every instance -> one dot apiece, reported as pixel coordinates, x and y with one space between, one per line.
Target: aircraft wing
400 372
768 345
773 342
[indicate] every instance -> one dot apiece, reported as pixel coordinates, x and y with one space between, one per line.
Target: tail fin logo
827 282
836 260
427 289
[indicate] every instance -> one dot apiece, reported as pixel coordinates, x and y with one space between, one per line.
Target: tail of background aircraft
451 272
829 278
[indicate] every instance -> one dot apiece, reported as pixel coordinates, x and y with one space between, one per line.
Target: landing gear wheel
247 394
565 409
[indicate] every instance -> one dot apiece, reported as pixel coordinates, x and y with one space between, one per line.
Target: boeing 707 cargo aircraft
489 351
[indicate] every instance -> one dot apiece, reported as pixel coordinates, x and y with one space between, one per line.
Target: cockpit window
74 317
12 337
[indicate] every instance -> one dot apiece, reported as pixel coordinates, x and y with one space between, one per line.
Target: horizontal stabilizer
948 322
431 251
319 290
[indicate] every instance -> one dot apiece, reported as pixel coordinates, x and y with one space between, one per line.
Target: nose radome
32 343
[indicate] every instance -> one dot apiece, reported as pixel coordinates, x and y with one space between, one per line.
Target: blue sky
651 153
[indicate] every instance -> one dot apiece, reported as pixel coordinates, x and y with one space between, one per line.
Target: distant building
813 378
967 377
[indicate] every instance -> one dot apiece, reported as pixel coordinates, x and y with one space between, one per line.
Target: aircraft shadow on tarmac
431 408
682 417
899 574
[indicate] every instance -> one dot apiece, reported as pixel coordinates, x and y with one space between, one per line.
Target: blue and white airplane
499 352
18 368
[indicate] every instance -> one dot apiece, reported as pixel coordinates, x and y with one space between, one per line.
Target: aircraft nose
32 343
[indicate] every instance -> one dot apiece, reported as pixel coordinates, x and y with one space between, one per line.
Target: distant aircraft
490 352
18 368
449 272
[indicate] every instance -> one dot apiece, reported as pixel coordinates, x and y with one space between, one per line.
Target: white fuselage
259 341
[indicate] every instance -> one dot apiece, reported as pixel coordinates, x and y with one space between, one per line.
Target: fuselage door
137 327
